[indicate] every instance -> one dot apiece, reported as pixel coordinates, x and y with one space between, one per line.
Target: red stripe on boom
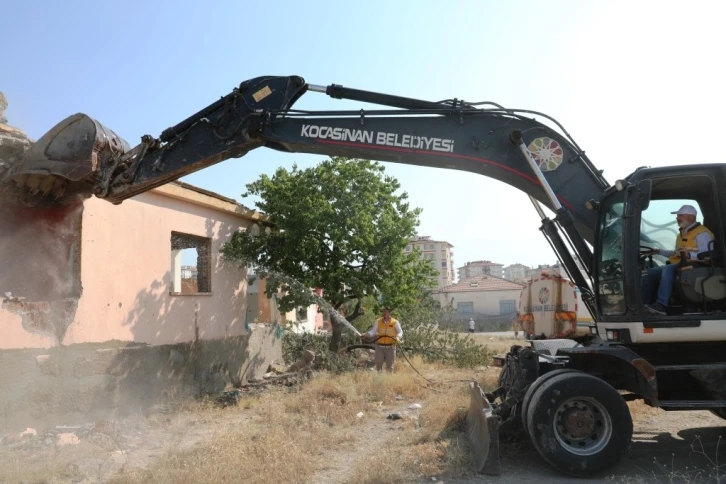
449 155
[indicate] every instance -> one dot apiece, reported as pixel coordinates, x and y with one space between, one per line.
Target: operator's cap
686 210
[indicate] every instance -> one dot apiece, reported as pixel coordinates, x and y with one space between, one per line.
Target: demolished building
94 315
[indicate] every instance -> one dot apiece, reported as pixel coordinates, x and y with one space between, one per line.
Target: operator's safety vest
386 332
688 241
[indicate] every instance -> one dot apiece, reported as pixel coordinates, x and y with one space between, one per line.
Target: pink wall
319 323
126 277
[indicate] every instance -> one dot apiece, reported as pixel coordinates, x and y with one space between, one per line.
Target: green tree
340 226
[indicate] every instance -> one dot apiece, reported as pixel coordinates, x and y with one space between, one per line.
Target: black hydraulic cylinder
549 228
337 91
170 133
564 218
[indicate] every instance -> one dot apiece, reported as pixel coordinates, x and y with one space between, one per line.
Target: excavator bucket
68 161
483 428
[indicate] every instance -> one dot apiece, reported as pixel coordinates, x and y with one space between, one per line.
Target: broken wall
39 255
128 281
126 284
91 324
80 384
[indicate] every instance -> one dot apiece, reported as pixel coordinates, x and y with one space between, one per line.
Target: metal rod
547 188
558 245
316 88
538 207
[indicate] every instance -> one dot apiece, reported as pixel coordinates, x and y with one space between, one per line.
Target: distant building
516 272
555 268
551 268
479 267
189 276
482 297
439 253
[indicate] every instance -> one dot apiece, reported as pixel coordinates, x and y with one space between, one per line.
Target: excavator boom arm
449 134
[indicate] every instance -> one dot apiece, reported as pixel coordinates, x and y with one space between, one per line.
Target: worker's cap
686 210
387 308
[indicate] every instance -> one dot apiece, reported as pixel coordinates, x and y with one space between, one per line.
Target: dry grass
284 439
280 435
15 469
291 434
435 444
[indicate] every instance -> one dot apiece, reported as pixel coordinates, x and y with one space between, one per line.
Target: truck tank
550 306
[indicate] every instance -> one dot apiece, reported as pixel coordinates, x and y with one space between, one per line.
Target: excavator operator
387 332
693 238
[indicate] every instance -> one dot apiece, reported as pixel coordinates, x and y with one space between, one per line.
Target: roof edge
206 198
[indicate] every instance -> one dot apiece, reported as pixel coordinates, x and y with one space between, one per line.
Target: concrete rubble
60 436
8 297
299 371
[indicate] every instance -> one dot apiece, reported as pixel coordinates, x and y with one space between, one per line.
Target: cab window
658 227
611 297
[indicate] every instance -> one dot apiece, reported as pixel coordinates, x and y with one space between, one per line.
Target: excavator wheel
533 387
579 424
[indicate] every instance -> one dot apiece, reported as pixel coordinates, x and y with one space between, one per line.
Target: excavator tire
532 389
579 424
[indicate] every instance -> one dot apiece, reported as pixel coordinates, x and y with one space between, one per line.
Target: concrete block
47 365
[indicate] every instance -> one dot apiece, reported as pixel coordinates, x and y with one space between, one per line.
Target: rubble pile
295 374
8 297
101 433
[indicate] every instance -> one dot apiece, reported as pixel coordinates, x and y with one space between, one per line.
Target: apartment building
516 272
479 267
439 253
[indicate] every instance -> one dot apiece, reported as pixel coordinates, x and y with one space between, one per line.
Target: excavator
567 396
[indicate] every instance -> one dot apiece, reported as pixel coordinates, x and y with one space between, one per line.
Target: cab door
616 256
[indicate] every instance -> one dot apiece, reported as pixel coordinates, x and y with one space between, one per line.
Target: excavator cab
700 283
635 217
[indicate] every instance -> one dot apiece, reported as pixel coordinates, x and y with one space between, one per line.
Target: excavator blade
483 428
67 162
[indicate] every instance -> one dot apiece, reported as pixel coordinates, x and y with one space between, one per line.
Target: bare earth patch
499 343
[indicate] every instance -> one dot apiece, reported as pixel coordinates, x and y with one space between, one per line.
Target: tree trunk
337 335
338 327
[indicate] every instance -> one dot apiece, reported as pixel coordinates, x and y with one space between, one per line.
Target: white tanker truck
550 306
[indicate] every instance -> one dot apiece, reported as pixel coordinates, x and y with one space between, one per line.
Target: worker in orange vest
386 333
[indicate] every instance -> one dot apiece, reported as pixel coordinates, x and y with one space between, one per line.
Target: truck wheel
579 424
532 389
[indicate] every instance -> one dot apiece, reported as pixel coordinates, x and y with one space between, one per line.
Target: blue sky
634 83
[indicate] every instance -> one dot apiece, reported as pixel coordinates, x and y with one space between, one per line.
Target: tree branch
357 312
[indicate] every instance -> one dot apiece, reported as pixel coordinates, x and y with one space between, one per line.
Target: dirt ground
663 437
667 446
